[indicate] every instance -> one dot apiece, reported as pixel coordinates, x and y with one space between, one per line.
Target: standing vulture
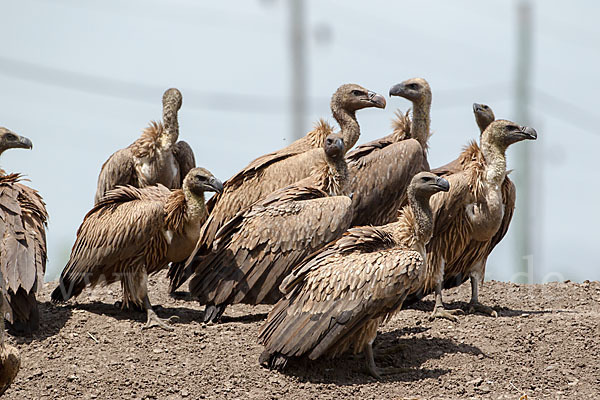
10 359
337 298
472 218
23 219
134 232
276 170
257 248
382 169
156 157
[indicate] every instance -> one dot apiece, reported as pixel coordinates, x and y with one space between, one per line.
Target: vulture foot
154 321
398 348
377 373
131 307
441 312
213 312
478 307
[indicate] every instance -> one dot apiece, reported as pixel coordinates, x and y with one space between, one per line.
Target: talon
154 321
441 312
475 307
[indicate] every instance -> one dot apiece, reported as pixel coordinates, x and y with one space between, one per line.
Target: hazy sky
82 79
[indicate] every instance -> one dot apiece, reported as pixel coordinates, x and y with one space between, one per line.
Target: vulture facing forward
134 232
23 219
472 218
281 168
156 157
256 249
337 298
382 169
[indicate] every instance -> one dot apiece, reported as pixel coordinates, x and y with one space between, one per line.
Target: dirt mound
545 343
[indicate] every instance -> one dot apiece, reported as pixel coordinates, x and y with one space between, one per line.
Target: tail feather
275 361
66 289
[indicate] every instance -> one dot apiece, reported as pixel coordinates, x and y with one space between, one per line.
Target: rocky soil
544 344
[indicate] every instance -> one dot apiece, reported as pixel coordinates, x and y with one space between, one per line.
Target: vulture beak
528 132
442 184
24 143
376 99
215 185
339 144
397 90
477 107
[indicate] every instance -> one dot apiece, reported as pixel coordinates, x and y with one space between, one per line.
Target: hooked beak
477 107
24 143
376 99
442 184
215 185
339 144
397 90
529 132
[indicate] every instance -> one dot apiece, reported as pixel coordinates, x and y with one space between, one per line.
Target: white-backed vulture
10 359
156 157
23 219
382 169
134 232
337 298
473 216
276 170
256 249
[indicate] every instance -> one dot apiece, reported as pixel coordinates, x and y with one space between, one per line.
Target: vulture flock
337 240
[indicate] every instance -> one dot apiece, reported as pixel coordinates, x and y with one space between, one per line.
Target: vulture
23 219
382 169
472 218
255 250
134 232
10 359
156 157
276 170
336 299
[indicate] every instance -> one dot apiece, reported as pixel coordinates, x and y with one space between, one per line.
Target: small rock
475 382
71 378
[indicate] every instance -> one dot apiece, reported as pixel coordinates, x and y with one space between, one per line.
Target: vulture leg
213 312
153 319
389 350
474 304
375 372
438 309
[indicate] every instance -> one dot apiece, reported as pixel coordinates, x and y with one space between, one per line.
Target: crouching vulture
336 299
10 359
281 168
156 157
23 219
472 218
382 169
256 249
134 232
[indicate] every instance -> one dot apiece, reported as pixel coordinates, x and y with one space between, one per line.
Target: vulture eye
10 136
485 107
412 86
329 141
357 93
426 179
512 127
201 178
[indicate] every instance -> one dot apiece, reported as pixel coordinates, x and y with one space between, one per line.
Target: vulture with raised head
256 249
156 157
472 218
134 232
382 169
10 359
23 219
337 298
276 170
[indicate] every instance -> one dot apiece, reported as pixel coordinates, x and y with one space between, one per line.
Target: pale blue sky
81 79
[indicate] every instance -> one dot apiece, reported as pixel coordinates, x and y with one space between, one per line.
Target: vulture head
10 140
416 90
503 133
172 96
483 115
200 180
334 146
352 97
425 184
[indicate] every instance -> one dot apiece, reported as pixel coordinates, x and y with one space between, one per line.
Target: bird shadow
412 353
244 319
427 306
52 319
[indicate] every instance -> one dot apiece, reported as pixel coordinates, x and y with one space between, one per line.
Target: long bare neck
332 177
171 124
423 224
195 203
420 121
348 124
495 158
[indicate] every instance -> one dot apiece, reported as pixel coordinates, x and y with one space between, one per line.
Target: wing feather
118 170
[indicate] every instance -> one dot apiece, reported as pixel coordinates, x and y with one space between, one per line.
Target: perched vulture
337 298
276 170
23 247
156 157
10 359
256 249
382 169
134 232
472 218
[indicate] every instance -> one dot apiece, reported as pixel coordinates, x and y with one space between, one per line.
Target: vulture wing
184 155
22 249
255 250
123 232
118 170
379 179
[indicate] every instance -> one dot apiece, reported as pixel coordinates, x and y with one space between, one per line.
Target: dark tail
214 312
276 361
178 274
25 313
66 289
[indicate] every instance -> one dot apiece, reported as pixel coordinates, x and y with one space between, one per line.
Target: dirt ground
544 344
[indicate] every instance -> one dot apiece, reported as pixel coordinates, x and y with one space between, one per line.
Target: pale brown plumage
10 359
23 219
382 169
336 299
473 216
156 157
134 232
257 248
281 168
